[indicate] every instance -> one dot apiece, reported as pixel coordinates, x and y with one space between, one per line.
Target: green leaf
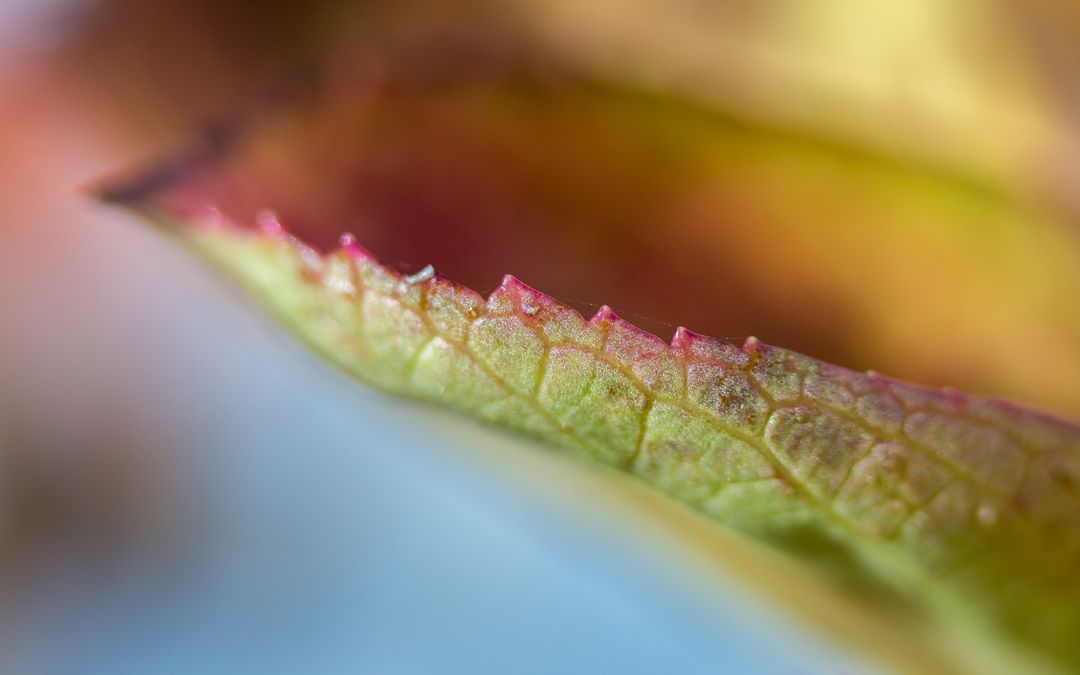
960 508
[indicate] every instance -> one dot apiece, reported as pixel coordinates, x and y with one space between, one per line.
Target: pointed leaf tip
604 316
348 245
268 223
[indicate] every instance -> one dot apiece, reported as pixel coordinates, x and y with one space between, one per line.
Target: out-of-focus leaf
822 248
953 515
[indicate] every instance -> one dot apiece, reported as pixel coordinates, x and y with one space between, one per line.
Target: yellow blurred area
963 85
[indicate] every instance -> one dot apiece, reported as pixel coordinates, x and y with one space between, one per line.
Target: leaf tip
267 222
349 246
753 346
604 317
684 338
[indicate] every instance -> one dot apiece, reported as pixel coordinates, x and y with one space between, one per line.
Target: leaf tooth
513 295
683 338
752 347
604 317
558 323
268 224
511 284
348 245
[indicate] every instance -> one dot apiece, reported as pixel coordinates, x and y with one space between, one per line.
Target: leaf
953 515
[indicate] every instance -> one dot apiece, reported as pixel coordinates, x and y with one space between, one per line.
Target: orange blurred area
894 187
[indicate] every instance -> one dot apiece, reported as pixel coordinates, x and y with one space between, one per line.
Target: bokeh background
182 489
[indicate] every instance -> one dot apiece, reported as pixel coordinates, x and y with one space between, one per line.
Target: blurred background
886 185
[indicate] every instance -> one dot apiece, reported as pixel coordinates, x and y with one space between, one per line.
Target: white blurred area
184 490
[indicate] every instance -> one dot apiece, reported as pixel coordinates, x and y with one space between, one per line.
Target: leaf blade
895 487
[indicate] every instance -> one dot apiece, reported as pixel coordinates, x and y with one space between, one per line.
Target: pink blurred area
75 416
